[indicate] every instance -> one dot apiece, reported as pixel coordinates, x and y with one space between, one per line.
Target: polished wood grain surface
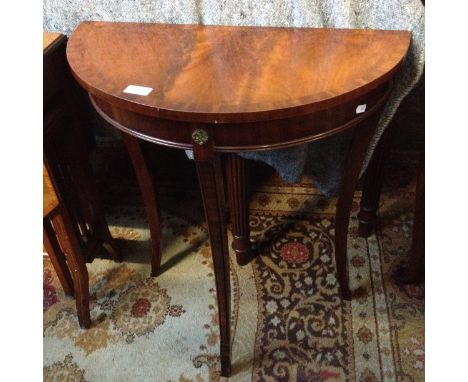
50 38
231 74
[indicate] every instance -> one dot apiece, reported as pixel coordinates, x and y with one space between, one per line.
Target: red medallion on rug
295 253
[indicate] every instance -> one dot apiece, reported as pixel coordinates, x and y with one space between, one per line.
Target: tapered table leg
372 187
362 135
57 257
238 196
414 273
210 176
76 262
150 200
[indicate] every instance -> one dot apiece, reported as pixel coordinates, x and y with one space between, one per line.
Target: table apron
251 136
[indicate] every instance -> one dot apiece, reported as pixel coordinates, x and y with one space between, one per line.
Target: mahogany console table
221 90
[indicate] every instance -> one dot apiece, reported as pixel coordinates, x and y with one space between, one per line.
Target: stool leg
149 194
75 259
372 187
57 257
238 196
359 146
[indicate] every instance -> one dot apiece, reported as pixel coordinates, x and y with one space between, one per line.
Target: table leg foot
366 222
345 292
245 249
226 363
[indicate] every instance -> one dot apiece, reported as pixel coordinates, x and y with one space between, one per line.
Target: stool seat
49 197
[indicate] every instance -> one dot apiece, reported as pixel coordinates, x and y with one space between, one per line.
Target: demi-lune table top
230 73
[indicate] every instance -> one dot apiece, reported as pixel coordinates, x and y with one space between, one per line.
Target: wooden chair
74 225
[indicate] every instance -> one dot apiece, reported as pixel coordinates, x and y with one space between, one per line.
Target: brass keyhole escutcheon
200 136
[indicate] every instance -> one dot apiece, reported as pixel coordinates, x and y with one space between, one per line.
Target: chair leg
359 146
67 237
150 200
238 196
57 257
372 187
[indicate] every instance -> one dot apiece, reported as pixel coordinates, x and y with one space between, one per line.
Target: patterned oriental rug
289 324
